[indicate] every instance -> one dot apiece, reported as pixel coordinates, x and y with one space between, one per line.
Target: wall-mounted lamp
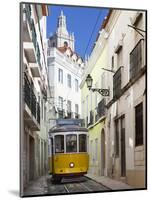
89 81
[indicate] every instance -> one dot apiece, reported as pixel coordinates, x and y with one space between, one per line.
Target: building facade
121 46
34 134
65 68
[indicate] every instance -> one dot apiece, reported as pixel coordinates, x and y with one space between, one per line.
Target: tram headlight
71 165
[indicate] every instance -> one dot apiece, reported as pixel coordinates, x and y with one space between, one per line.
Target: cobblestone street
44 186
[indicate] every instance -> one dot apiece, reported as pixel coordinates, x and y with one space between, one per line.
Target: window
117 83
76 85
82 143
59 144
48 61
42 108
116 138
48 52
53 44
45 113
69 80
112 62
60 75
120 57
66 44
71 143
139 124
136 59
76 111
69 106
76 108
60 103
101 108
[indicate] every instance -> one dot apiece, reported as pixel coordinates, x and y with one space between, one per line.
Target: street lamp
89 81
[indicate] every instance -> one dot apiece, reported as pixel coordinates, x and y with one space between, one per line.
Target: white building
65 70
118 63
34 132
126 106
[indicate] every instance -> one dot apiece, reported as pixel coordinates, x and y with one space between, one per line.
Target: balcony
30 52
137 58
117 81
35 70
31 106
26 23
100 110
30 45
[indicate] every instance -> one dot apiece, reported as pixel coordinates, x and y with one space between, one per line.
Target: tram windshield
82 143
59 144
71 143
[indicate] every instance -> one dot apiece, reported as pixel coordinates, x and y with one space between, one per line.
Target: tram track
74 185
87 186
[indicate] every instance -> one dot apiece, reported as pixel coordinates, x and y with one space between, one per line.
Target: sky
83 21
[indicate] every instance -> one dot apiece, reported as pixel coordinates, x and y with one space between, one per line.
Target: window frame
61 144
69 81
76 85
60 102
82 134
76 142
60 75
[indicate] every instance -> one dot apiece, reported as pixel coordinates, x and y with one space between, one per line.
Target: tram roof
67 128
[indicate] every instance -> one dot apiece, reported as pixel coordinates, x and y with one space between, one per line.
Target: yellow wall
95 131
96 75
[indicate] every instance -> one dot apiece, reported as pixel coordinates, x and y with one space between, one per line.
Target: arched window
66 44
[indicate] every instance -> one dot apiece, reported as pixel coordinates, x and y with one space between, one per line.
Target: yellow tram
68 149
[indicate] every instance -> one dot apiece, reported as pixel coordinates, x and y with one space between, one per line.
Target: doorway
123 154
102 152
31 157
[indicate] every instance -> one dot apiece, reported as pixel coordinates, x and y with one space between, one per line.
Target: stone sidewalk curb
110 183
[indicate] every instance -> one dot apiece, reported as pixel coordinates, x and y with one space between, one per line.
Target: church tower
62 37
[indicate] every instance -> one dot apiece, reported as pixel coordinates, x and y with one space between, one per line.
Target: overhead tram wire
92 32
88 42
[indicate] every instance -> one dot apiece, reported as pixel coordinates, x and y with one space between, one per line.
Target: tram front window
71 143
59 144
82 143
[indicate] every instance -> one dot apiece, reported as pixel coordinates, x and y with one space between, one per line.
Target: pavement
110 183
40 185
37 187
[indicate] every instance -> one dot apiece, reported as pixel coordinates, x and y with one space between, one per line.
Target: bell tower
62 36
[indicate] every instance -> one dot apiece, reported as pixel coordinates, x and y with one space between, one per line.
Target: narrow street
44 186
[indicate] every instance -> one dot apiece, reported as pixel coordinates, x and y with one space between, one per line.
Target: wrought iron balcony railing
100 109
30 99
136 59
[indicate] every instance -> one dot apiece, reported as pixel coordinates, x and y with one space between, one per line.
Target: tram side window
71 143
59 144
82 143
